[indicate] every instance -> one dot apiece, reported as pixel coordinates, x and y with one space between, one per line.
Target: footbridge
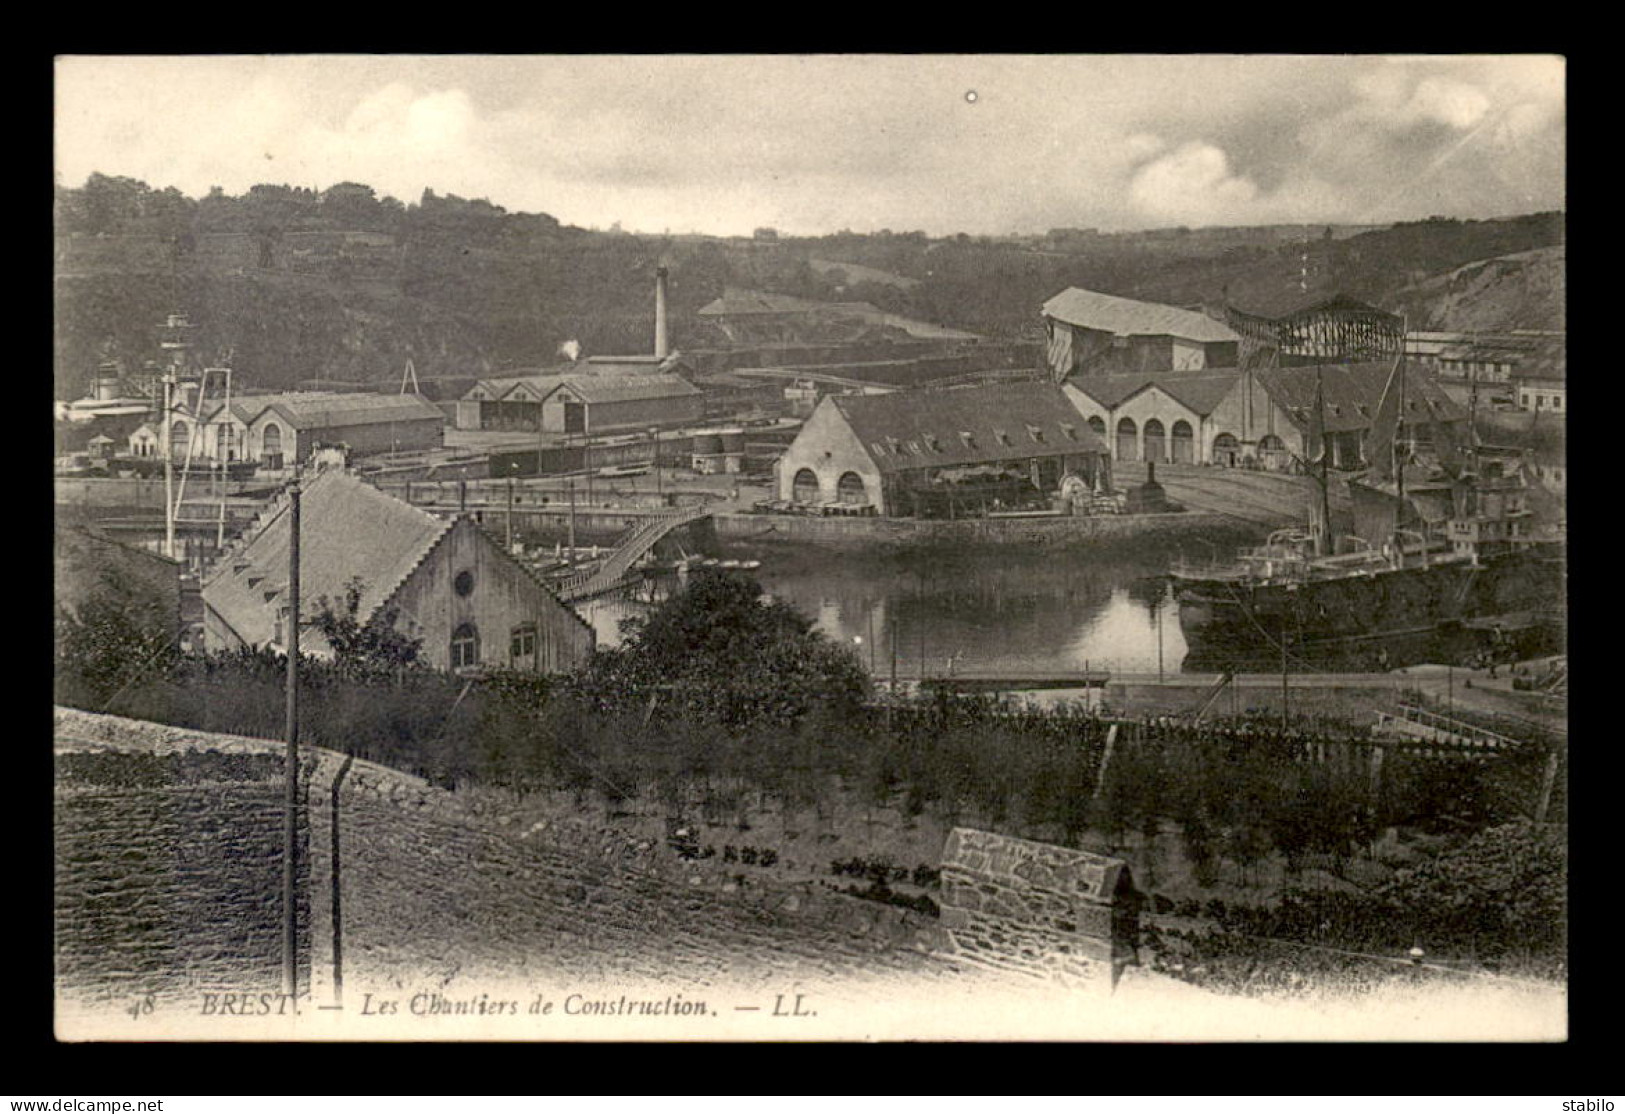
629 549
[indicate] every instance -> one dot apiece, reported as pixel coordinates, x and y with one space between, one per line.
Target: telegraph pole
572 487
290 970
169 466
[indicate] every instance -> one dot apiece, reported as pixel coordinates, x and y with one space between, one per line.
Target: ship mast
1323 545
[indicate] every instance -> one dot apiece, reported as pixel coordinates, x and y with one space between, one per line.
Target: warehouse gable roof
931 428
1200 392
1352 394
626 388
327 409
1107 313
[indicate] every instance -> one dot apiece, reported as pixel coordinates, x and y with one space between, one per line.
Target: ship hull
1383 619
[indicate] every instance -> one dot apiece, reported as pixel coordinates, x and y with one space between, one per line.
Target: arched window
465 646
1272 452
851 489
1156 447
1226 450
1184 443
225 448
1128 440
805 488
1098 424
179 435
271 446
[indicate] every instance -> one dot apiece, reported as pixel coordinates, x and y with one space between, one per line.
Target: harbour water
1008 612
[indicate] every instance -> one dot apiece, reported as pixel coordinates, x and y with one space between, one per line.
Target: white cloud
816 143
1456 103
1190 185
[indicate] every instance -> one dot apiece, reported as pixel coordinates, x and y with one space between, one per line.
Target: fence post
1547 782
1106 760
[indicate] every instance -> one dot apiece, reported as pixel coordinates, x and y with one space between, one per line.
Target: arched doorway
805 488
179 435
1098 424
1226 450
1128 440
1184 443
851 489
1272 453
271 446
1156 442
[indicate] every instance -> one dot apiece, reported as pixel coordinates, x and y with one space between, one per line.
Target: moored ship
1462 569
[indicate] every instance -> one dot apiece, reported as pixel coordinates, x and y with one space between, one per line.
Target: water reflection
1001 612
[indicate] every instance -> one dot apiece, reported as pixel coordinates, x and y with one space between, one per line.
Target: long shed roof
1108 313
932 428
1353 392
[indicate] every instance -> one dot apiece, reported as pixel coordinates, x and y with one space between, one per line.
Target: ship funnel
662 349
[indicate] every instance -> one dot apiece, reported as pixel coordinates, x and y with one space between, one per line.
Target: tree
724 654
364 649
116 635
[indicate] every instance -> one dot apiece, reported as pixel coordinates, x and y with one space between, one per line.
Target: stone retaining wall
1035 908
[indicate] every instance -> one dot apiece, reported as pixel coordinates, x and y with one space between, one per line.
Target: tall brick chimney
662 348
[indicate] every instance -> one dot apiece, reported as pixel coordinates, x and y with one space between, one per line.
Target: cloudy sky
808 144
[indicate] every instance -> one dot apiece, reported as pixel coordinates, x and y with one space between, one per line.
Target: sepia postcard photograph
853 547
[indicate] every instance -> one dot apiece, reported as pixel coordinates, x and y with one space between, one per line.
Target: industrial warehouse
1059 546
943 453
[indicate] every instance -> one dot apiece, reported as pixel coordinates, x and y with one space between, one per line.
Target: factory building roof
1352 394
626 388
1108 313
1201 392
324 410
931 428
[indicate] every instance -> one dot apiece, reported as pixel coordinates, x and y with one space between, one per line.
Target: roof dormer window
1004 438
969 439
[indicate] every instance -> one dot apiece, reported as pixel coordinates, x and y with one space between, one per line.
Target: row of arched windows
1159 446
180 437
850 488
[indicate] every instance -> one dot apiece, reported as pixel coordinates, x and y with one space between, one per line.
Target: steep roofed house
443 581
1089 333
941 452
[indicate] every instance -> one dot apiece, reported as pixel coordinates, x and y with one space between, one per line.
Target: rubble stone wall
1035 908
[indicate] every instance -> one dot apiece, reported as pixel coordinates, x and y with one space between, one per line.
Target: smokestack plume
662 349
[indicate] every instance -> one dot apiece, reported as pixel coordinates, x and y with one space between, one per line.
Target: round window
464 584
